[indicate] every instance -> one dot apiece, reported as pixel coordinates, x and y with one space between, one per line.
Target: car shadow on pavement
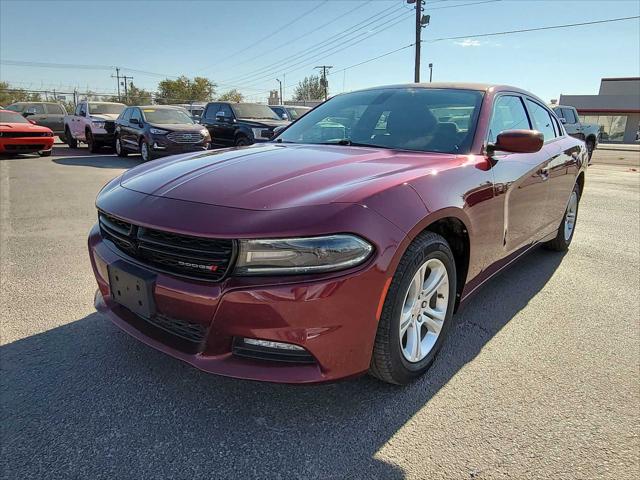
98 161
86 401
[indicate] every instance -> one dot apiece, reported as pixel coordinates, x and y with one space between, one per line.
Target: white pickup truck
92 123
589 133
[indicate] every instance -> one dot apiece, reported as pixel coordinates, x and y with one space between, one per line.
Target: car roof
160 107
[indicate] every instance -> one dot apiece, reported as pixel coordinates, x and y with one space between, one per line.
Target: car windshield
10 117
106 108
420 119
296 112
253 110
166 115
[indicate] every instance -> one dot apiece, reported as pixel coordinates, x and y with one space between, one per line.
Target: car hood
22 127
105 116
178 127
275 176
261 122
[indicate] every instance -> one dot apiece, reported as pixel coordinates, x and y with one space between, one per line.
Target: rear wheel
591 146
417 312
567 226
72 142
120 149
145 151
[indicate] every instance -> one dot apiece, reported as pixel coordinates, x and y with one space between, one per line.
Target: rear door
55 117
134 130
520 178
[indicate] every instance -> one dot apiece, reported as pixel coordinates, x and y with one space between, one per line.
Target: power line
278 30
280 64
550 27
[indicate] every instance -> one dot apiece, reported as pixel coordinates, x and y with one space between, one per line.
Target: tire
120 151
45 153
145 151
568 225
72 142
591 146
242 141
390 361
94 147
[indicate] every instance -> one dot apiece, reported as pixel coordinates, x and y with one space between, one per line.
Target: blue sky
237 43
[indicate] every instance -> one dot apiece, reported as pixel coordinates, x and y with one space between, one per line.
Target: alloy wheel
144 151
118 146
424 310
570 217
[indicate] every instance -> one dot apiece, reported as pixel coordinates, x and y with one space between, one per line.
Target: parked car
289 112
318 257
194 109
92 123
587 132
46 114
238 124
20 135
158 130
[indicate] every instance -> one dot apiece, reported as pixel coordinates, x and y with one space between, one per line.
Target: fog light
270 344
158 147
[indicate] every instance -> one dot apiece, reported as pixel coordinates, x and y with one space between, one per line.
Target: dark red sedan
346 244
19 135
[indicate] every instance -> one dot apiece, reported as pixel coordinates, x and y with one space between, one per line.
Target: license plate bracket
132 287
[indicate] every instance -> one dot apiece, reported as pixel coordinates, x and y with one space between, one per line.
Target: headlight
204 132
157 131
97 123
257 132
301 255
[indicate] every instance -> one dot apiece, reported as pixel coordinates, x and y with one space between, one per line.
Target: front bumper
333 317
25 144
163 146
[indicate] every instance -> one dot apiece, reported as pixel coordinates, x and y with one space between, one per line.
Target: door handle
544 173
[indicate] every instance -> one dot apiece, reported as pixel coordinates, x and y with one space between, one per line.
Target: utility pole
430 72
126 92
323 79
281 100
421 22
117 77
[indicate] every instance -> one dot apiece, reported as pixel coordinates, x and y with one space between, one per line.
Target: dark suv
237 124
158 130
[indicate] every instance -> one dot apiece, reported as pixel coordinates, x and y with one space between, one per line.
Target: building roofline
619 79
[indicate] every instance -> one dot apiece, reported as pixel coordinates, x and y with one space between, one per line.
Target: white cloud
467 42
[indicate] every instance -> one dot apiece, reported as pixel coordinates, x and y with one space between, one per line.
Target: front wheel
120 151
72 142
94 147
417 312
568 225
145 151
242 142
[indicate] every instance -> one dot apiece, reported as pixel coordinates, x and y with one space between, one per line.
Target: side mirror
517 141
278 130
28 113
563 120
284 116
32 122
134 121
220 117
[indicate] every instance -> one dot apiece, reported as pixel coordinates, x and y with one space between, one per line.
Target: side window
210 112
54 109
542 120
508 114
35 109
125 116
81 109
135 115
569 115
228 113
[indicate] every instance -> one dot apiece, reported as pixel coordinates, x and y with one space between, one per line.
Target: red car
19 135
347 243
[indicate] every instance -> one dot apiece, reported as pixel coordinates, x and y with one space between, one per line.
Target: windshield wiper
347 142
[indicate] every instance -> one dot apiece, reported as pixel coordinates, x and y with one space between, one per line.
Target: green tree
231 96
309 89
10 95
183 90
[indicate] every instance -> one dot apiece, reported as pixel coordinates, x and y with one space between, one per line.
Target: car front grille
24 134
185 137
184 255
32 147
192 332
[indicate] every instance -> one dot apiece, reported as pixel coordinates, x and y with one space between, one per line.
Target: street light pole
281 100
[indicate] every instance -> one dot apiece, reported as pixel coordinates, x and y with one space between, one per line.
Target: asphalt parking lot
540 377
